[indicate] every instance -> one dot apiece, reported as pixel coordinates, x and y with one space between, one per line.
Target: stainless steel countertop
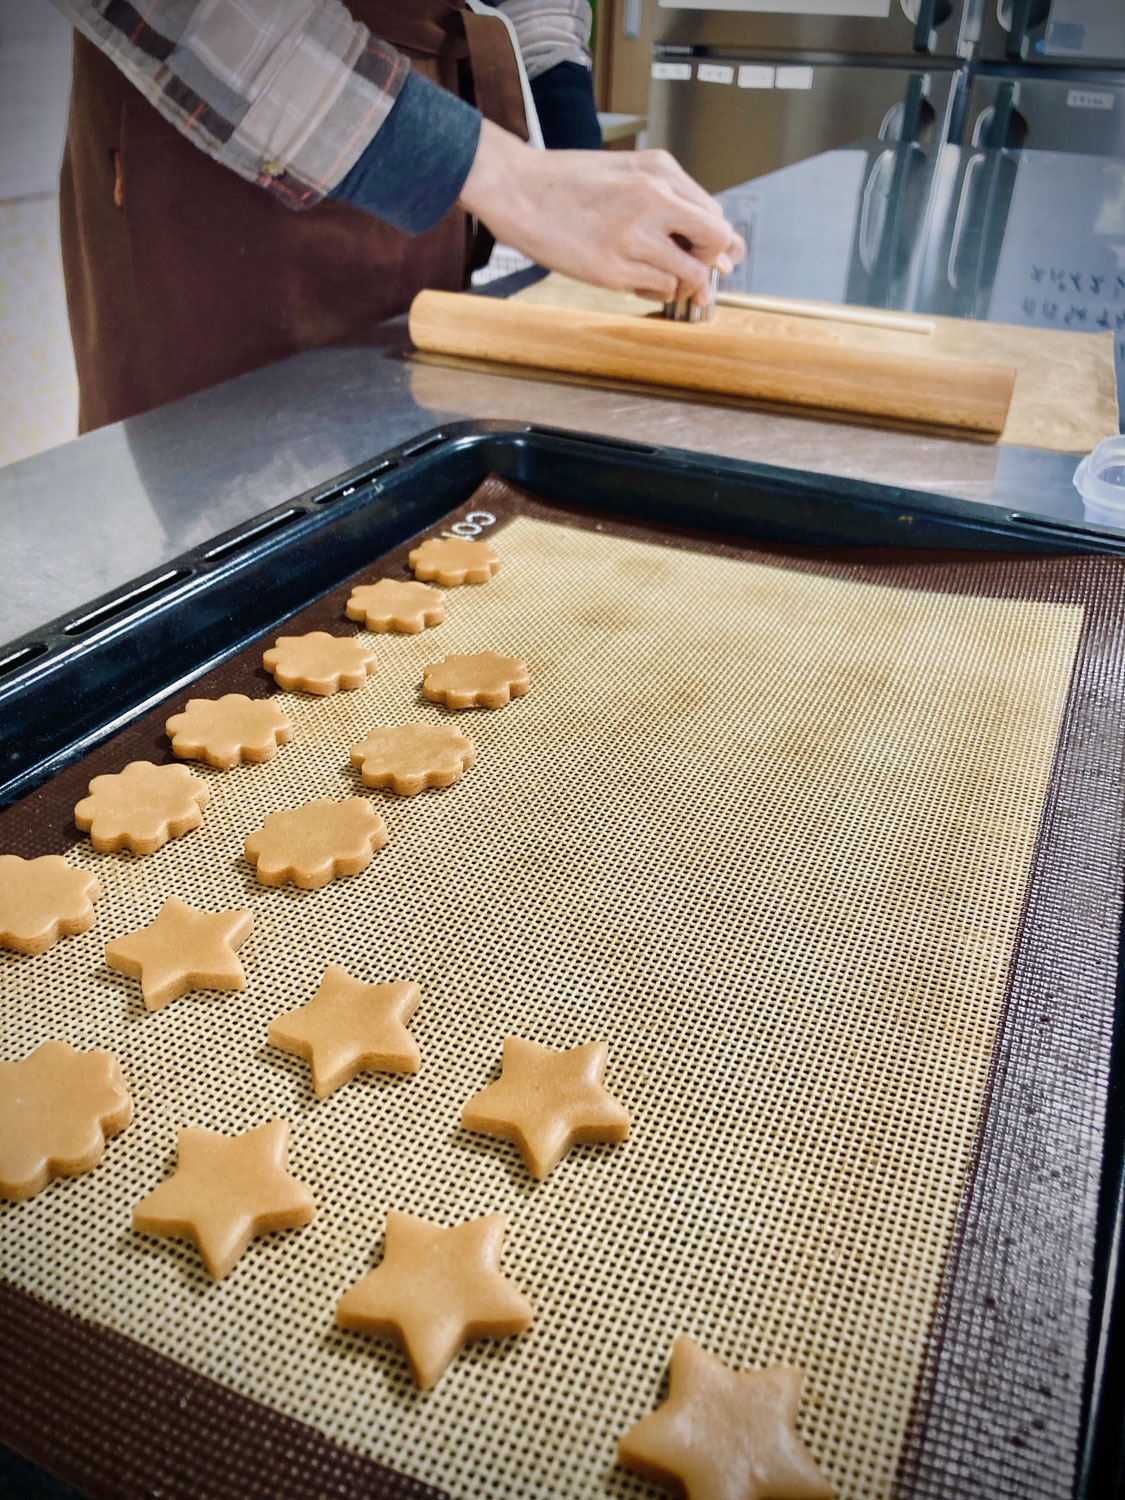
91 515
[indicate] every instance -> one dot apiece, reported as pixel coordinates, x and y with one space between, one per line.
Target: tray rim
225 559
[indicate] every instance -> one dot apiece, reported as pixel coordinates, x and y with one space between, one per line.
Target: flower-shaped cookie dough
451 560
313 844
548 1101
56 1109
225 1190
183 949
349 1027
226 731
725 1434
391 605
142 807
486 680
319 662
43 899
434 1289
411 757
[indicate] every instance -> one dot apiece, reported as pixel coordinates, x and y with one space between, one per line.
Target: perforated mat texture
766 832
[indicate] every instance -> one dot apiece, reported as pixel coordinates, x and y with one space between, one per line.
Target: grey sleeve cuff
414 167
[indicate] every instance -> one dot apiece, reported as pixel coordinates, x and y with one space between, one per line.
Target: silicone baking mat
764 823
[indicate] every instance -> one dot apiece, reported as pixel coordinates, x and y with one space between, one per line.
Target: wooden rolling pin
914 389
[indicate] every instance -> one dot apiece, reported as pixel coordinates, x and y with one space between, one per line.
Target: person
397 131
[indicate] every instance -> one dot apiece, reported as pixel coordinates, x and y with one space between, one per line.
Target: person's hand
606 217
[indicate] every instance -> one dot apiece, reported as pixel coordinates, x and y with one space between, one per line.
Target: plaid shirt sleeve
287 93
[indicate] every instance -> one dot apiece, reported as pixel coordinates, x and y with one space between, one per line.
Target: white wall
38 392
34 88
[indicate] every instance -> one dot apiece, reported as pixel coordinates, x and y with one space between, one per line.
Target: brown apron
181 274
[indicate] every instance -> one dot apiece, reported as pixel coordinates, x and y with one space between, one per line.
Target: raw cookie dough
183 949
349 1027
225 731
391 605
56 1108
42 900
725 1434
434 1289
315 843
142 807
451 560
225 1190
486 680
408 758
548 1101
319 662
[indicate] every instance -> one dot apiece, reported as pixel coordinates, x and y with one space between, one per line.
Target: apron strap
492 82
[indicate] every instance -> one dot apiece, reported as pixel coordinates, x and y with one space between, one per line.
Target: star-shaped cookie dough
548 1101
43 899
182 949
725 1434
225 1190
319 662
315 843
226 731
392 605
349 1027
142 807
56 1108
434 1289
486 680
451 560
408 758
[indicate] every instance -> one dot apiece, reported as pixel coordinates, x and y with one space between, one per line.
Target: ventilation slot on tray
21 657
591 440
124 602
1113 539
253 534
342 491
424 445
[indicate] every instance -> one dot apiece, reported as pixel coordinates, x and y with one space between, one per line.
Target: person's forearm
415 167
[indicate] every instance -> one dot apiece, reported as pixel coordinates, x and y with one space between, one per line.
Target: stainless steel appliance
1026 242
1029 237
1036 238
887 28
729 117
1042 32
1050 74
850 225
1053 109
1047 74
747 86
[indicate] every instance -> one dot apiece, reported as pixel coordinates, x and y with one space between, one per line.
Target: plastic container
1100 480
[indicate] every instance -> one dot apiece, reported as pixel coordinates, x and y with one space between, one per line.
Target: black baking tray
69 686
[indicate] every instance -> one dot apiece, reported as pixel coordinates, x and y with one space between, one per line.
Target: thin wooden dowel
867 317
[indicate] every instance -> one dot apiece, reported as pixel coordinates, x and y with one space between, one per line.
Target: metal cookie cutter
685 310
